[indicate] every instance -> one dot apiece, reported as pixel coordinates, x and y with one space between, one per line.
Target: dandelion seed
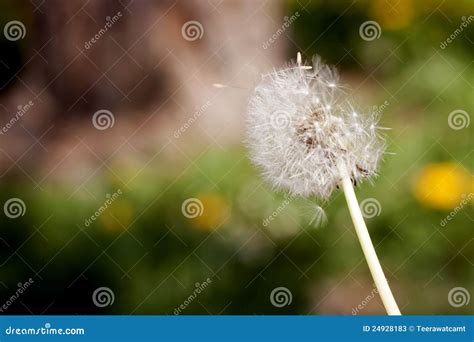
319 218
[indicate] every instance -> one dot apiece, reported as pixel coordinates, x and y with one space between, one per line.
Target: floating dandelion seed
318 217
322 144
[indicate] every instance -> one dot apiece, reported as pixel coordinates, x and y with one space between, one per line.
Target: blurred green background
143 248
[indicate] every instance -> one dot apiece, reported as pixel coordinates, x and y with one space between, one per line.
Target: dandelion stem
369 250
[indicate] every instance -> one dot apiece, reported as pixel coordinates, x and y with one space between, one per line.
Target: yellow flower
117 216
442 185
392 14
214 211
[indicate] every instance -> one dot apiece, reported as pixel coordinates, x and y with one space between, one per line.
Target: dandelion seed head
304 133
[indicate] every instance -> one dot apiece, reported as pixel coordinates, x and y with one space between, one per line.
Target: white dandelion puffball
305 135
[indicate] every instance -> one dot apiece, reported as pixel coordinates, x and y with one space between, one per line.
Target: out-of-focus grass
154 255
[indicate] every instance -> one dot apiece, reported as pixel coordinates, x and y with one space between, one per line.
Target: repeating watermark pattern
458 119
109 22
458 296
465 200
465 21
20 290
192 30
266 221
192 208
280 297
199 288
370 207
110 199
280 119
355 311
21 110
14 208
287 22
103 296
370 30
103 119
14 30
201 110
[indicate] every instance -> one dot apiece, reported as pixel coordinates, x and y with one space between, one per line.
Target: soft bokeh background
175 137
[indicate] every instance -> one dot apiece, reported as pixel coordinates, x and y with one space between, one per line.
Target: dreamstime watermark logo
14 208
110 199
192 30
278 210
370 30
370 207
364 302
280 297
201 110
103 119
465 21
280 119
47 329
458 119
19 291
103 296
21 110
287 21
458 296
109 22
14 30
199 288
192 208
378 110
465 200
